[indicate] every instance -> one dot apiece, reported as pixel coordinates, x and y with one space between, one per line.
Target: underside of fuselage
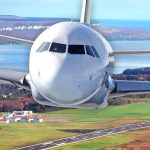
99 100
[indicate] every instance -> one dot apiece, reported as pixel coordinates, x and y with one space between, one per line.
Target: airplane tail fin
86 12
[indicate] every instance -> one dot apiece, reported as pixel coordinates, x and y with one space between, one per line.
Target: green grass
140 110
21 134
15 135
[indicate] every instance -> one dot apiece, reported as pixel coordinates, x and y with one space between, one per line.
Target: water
131 61
16 57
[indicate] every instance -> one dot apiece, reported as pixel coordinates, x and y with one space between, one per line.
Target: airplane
71 65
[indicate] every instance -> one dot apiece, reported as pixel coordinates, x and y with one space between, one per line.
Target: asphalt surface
87 136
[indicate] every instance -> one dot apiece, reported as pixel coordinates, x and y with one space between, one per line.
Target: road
87 136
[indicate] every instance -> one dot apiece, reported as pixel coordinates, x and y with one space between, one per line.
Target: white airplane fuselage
69 79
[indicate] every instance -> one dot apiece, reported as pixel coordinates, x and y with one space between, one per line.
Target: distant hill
30 28
10 17
120 34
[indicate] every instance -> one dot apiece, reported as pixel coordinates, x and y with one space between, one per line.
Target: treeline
139 74
13 99
132 77
23 104
138 71
11 92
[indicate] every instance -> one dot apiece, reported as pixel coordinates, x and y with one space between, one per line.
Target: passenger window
95 52
89 51
76 49
58 48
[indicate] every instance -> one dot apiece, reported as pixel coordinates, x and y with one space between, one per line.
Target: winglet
86 12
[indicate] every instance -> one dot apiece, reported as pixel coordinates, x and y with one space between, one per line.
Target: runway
87 136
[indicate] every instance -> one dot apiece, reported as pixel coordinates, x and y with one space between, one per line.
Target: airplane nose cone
59 84
63 83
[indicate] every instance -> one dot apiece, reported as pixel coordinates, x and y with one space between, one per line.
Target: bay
16 57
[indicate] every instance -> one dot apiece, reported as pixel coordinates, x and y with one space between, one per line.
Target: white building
22 113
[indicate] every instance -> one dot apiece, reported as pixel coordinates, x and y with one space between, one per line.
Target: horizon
72 18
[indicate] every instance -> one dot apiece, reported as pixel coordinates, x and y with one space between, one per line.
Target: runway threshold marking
87 136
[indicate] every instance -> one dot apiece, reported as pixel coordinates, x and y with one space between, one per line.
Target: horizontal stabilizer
127 88
17 40
132 86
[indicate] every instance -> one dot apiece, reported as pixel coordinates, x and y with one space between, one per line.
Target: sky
101 9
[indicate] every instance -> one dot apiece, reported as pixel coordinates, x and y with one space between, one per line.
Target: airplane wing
124 52
127 88
18 40
16 77
12 76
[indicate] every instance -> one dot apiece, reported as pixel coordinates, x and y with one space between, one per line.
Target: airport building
22 113
20 116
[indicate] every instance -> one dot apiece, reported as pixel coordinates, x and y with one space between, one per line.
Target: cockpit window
58 48
76 49
41 46
89 51
95 52
44 47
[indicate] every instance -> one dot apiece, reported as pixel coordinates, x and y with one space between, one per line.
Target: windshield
58 48
89 51
76 49
95 52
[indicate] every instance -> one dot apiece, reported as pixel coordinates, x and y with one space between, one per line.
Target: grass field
15 135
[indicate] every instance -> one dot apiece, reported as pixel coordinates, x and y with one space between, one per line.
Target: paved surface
87 136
